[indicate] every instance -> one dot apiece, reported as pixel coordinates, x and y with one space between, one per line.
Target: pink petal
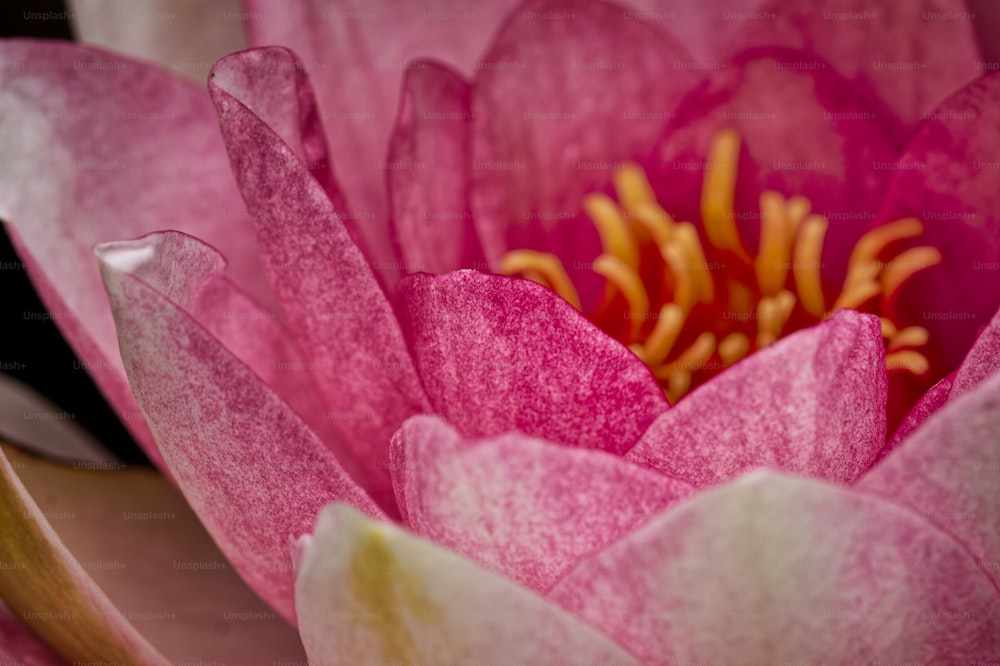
890 50
356 53
521 506
98 148
186 36
337 312
134 534
950 179
947 471
982 360
935 398
18 645
706 28
566 91
371 593
773 569
229 440
813 403
498 354
428 193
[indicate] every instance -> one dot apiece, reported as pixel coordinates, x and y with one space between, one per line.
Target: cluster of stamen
689 309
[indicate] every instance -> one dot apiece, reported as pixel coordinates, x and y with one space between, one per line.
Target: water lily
413 454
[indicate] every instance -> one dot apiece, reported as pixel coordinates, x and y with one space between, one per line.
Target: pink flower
495 465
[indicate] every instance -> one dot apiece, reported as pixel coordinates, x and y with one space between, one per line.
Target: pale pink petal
99 148
370 592
428 192
813 403
134 534
250 468
524 507
497 353
774 569
336 311
947 471
186 36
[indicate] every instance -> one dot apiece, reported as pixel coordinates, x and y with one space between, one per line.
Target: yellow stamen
806 264
548 266
718 191
771 265
889 329
616 237
687 238
911 336
873 242
908 360
733 348
684 294
855 295
905 265
664 335
798 208
655 220
628 283
633 188
692 358
679 382
773 312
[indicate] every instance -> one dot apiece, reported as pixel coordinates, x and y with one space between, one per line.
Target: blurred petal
890 50
777 569
949 177
99 148
18 645
336 310
428 193
813 403
371 593
134 533
524 507
230 441
497 354
186 36
947 471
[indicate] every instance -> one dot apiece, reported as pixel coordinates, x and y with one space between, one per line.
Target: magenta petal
355 54
98 148
18 645
780 570
892 50
521 506
932 400
947 471
428 192
949 177
250 468
497 354
813 403
982 360
567 91
337 312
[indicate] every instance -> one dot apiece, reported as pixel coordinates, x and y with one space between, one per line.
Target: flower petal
776 569
498 354
371 593
892 50
18 645
932 400
338 314
982 360
135 535
428 191
99 148
229 440
186 36
813 403
524 507
949 177
947 471
566 92
356 52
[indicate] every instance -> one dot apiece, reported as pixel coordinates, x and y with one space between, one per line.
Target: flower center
689 308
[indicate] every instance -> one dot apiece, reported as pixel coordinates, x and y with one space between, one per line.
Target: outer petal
133 532
356 51
813 403
230 441
339 316
774 569
371 593
566 92
522 506
499 354
949 177
891 49
98 148
428 192
947 471
186 36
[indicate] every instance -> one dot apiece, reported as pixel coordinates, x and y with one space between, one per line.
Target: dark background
44 360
